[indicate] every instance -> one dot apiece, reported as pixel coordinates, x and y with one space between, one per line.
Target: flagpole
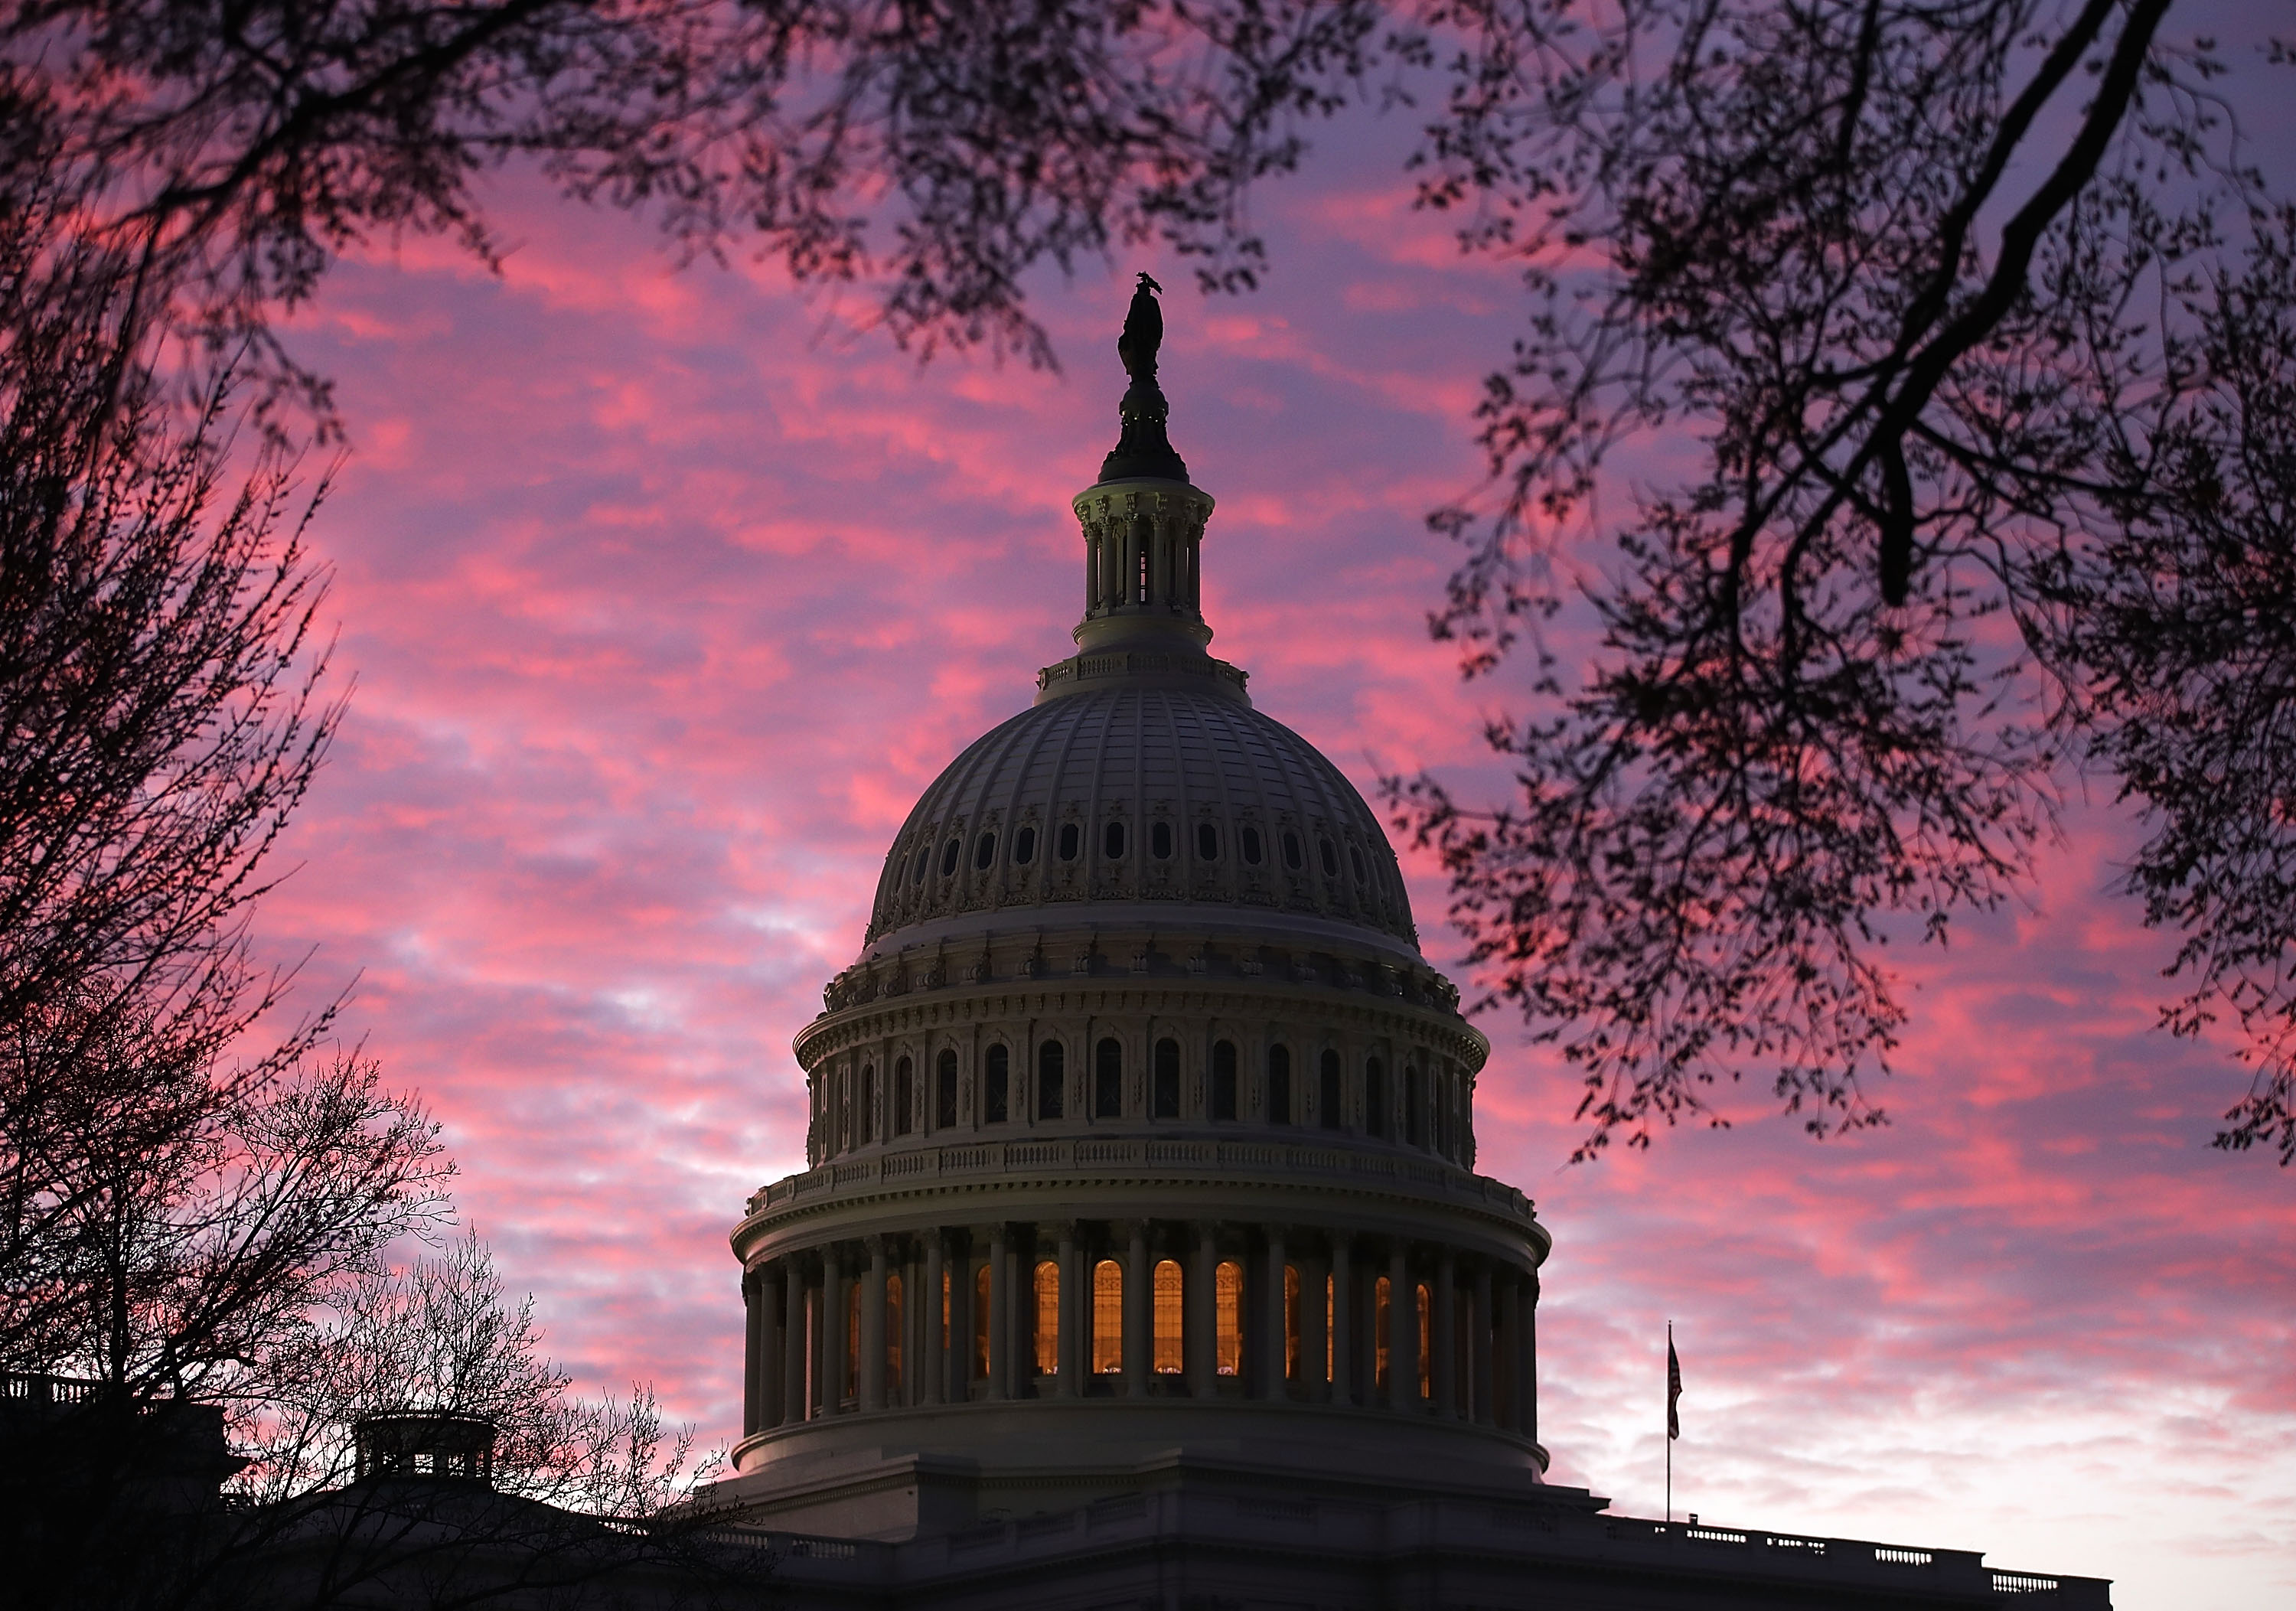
1670 1429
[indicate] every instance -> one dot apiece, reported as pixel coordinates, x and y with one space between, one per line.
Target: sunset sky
667 592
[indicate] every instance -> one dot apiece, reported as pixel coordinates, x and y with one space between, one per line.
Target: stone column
1000 1315
932 1358
1312 1333
1197 1335
1344 1357
1480 1349
750 1408
1274 1382
1068 1353
831 1371
1527 1366
1139 1312
869 1391
798 1346
1402 1331
768 1374
1441 1336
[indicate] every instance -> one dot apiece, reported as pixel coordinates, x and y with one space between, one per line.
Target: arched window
1207 842
1227 1318
1051 1080
1290 1323
1107 1318
1024 844
904 1098
1072 842
1414 1102
1279 1085
1426 1347
1374 1098
1168 1080
996 1087
1170 1320
852 1387
844 1107
1108 1080
1112 842
1048 1318
868 1105
1224 1080
984 851
1250 838
1159 841
981 1323
945 1097
948 855
1329 1099
1291 858
892 1337
1380 1333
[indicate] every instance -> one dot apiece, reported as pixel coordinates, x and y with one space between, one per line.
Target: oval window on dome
1291 857
1072 842
1159 841
919 861
1356 860
1250 838
1024 845
984 851
1207 842
948 855
1330 855
1112 842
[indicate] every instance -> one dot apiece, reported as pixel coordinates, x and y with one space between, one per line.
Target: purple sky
667 593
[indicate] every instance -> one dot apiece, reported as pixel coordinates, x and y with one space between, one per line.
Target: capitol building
1142 1258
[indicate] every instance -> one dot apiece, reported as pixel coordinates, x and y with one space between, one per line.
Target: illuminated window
1426 1349
892 1334
1227 1318
981 1323
1290 1323
1168 1319
1378 1333
1107 1316
1049 1319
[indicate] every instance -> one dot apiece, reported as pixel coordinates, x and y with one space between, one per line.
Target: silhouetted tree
1920 311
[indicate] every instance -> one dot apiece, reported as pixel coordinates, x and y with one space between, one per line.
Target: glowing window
1169 1318
1227 1318
1107 1316
1049 1319
981 1323
1378 1333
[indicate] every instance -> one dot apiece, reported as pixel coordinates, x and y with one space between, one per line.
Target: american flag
1673 1386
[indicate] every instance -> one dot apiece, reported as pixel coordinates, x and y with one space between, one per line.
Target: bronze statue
1143 331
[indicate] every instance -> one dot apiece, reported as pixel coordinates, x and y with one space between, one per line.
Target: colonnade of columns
1141 1307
